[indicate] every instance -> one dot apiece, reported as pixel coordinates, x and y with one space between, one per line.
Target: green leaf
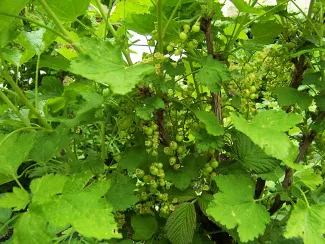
47 186
320 101
242 6
92 163
204 142
104 64
234 206
230 29
68 10
144 227
307 222
182 177
128 8
82 206
212 74
10 7
56 62
48 144
181 224
17 200
211 122
12 55
5 178
274 234
36 40
149 106
308 178
289 96
80 101
5 215
204 201
31 228
265 32
14 150
121 194
314 79
51 86
134 158
267 130
251 156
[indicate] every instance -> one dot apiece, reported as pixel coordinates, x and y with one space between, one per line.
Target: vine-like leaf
17 199
234 206
104 64
307 222
267 130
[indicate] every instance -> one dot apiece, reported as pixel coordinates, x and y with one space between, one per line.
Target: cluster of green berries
250 88
166 208
152 141
154 180
183 36
210 167
145 208
120 219
175 151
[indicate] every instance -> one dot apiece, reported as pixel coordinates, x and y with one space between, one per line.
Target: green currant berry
173 145
168 151
162 182
186 27
176 166
153 170
179 137
180 149
169 48
205 173
160 165
147 178
164 197
246 93
183 36
252 89
214 163
154 127
144 198
196 28
208 169
153 184
148 131
139 173
178 52
172 160
253 96
148 143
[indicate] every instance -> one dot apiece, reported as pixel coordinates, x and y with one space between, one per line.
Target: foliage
215 134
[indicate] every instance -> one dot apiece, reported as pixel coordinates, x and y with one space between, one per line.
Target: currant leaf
234 206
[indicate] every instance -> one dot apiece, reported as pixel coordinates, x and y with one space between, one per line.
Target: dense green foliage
215 136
